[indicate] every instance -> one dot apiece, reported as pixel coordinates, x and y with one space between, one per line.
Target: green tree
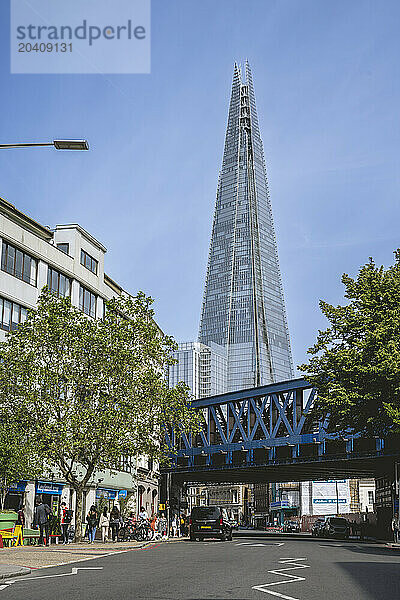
18 459
92 390
355 363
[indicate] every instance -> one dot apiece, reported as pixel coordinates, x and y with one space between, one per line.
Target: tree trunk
78 514
4 492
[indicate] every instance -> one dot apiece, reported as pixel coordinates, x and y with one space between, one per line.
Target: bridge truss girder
268 433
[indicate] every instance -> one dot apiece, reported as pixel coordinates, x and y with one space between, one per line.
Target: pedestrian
183 526
143 515
92 520
153 522
104 524
174 526
41 519
395 527
21 516
162 526
115 522
66 518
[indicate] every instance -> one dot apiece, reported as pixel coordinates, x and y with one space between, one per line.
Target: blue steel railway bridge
267 434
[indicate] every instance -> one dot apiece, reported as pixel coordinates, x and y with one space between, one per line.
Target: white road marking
74 571
294 564
259 545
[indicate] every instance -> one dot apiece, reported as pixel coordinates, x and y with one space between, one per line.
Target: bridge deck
269 434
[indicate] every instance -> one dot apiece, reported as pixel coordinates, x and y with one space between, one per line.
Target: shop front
109 497
16 496
49 493
282 510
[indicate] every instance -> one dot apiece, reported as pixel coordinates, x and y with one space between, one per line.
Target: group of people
179 526
108 522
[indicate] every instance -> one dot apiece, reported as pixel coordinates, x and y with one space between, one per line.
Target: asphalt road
251 567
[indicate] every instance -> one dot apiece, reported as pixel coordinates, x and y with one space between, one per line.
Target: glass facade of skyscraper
243 307
202 368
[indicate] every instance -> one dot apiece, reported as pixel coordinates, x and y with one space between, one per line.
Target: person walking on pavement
41 520
183 526
162 526
104 524
66 518
395 527
115 522
153 522
92 521
21 516
174 526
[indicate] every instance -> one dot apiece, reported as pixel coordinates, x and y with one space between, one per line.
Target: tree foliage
355 363
90 391
18 458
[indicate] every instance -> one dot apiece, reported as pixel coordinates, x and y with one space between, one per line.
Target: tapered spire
243 306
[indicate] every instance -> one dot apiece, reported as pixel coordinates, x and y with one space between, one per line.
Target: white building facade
70 261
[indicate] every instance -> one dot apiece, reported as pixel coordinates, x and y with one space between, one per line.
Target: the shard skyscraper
243 307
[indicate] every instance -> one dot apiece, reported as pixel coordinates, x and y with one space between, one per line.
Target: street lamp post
57 144
337 498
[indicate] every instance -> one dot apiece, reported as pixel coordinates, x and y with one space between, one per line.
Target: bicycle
143 532
127 532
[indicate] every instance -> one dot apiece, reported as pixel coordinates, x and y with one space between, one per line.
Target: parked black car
336 527
210 521
317 528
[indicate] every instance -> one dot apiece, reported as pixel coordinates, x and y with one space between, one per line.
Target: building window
124 464
58 283
64 248
11 314
370 497
17 263
87 301
89 262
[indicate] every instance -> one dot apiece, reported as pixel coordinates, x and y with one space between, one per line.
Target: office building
243 306
70 261
202 368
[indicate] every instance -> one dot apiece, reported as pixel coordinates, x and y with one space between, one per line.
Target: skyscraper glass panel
243 307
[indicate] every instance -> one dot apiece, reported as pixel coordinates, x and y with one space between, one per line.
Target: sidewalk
21 560
393 545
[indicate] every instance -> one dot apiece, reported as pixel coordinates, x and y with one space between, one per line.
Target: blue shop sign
19 486
122 494
45 487
280 504
106 493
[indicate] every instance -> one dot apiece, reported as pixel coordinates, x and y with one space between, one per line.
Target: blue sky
327 84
